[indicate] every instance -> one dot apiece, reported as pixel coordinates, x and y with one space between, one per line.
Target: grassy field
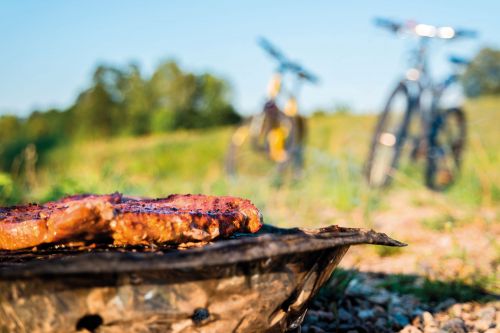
193 162
331 191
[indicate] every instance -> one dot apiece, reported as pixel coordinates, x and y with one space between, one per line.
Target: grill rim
268 242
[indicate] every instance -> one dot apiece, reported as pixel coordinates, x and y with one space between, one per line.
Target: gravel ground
425 287
367 304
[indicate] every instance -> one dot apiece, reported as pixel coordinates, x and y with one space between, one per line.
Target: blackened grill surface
268 242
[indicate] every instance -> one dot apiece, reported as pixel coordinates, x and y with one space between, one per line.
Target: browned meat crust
129 221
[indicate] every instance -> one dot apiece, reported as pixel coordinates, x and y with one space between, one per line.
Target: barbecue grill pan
259 282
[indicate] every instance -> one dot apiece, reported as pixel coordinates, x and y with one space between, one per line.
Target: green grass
192 161
440 223
436 291
332 190
388 251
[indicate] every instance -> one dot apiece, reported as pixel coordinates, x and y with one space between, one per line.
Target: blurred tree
96 112
137 103
212 104
12 140
186 100
482 76
121 101
173 94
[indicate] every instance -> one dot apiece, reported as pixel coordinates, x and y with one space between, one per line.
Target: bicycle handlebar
388 24
466 33
424 30
269 48
284 63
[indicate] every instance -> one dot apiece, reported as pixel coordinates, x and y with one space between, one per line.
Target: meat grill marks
128 221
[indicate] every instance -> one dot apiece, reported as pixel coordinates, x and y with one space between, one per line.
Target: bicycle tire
379 175
295 146
444 158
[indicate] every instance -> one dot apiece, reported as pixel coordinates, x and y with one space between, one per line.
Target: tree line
123 101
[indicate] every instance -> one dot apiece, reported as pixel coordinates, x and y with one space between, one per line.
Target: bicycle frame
423 96
419 82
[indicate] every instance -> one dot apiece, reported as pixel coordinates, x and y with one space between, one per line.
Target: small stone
381 298
432 330
400 319
491 330
428 319
417 321
378 311
467 307
417 312
355 288
312 319
328 316
316 329
455 325
344 315
365 314
487 314
381 322
482 325
445 304
395 300
456 310
410 329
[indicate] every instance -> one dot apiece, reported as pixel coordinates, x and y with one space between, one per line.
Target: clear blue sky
49 48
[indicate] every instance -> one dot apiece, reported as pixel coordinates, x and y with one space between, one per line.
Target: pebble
445 305
316 329
410 329
328 316
368 307
344 315
428 319
381 322
355 288
482 325
400 319
491 330
487 314
365 314
381 298
455 325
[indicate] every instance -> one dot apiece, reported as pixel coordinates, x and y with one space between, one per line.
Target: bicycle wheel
390 134
446 144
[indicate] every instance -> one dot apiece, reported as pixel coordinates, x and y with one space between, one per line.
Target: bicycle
274 136
440 134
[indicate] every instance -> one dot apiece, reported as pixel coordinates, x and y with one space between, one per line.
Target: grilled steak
128 221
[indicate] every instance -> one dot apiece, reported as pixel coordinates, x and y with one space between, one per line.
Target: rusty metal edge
271 243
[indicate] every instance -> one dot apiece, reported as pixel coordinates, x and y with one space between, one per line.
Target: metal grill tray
249 283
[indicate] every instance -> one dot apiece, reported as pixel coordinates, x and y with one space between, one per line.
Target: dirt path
435 284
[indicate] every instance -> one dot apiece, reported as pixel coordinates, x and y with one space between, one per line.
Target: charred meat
127 221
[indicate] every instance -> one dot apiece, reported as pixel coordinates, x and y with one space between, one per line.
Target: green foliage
121 101
388 251
482 76
428 290
6 187
337 285
440 223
